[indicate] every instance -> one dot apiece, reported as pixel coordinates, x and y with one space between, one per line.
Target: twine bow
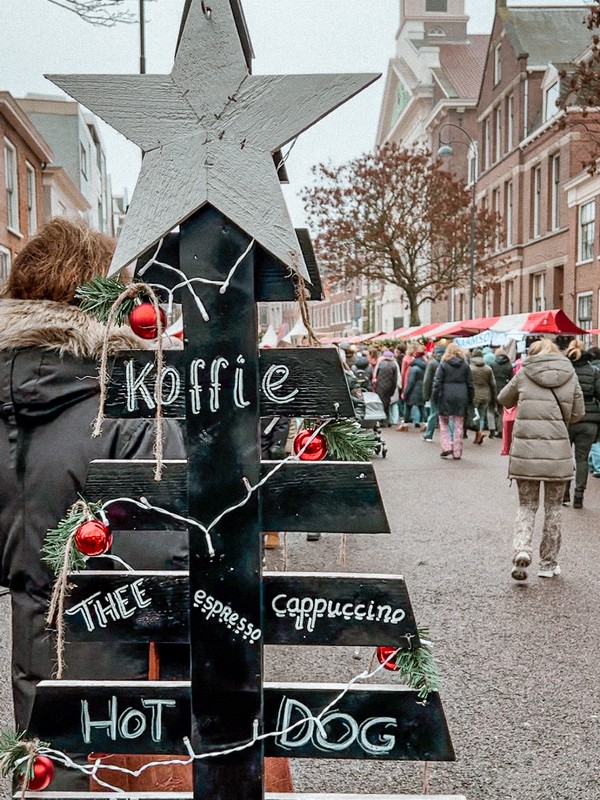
135 290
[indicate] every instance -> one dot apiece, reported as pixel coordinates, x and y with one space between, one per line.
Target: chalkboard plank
376 721
297 382
325 496
268 796
272 282
299 608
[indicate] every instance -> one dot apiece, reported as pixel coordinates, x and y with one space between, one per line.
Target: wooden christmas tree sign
209 131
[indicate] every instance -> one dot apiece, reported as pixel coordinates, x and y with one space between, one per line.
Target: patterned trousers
529 500
452 442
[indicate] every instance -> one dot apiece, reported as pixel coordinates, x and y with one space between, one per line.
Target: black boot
578 500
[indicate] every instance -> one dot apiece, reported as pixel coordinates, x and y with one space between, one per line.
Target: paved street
520 662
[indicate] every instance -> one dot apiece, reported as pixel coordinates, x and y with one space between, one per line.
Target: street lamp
445 150
142 39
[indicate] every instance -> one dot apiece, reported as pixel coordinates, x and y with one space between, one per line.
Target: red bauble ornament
386 652
316 450
93 538
143 321
43 772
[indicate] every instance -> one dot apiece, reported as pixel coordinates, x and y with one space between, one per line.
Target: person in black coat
386 377
503 370
413 393
452 394
49 389
584 433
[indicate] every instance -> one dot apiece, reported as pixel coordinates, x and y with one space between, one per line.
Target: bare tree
397 216
98 12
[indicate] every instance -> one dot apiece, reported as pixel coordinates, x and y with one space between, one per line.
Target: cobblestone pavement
520 663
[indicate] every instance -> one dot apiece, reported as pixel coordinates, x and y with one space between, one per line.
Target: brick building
525 159
433 80
526 167
25 154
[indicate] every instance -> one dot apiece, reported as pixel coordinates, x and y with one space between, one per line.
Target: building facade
525 159
25 155
514 151
75 138
431 92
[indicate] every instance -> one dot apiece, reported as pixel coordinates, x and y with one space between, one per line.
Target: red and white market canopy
550 322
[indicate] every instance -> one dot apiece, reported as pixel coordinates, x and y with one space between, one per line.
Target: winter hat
477 353
387 354
439 350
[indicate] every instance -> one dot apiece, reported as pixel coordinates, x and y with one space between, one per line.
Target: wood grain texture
242 120
223 451
299 609
268 796
324 496
124 102
272 281
300 98
154 717
315 385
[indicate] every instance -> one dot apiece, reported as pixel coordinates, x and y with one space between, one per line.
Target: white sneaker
549 572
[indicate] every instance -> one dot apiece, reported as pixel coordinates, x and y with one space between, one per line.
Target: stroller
374 416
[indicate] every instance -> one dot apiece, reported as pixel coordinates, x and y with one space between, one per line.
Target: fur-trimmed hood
59 327
49 357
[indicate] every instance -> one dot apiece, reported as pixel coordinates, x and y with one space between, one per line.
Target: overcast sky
288 36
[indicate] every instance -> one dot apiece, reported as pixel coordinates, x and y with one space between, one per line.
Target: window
587 217
4 263
538 290
555 193
496 210
510 297
510 122
31 200
487 143
584 311
436 5
12 186
537 201
498 133
550 98
83 159
508 213
473 163
497 63
488 303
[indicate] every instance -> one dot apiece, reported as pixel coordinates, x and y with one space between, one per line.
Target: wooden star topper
208 131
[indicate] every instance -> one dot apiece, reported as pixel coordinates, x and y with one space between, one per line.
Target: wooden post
223 460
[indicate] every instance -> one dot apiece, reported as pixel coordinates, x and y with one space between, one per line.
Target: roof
14 114
463 65
547 34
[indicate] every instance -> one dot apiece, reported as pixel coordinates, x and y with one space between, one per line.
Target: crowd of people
543 403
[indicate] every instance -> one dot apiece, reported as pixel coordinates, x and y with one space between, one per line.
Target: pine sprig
14 749
417 667
98 296
347 441
53 551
